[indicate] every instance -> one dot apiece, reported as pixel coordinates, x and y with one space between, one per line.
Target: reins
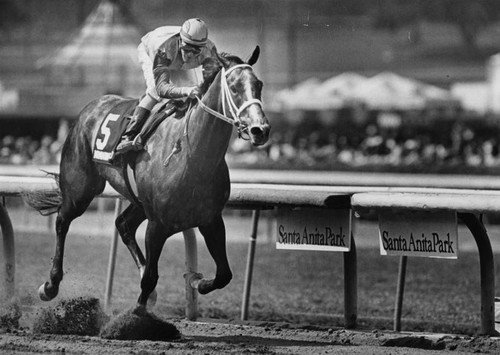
227 99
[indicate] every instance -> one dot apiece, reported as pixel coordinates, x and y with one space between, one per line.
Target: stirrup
137 142
128 144
124 147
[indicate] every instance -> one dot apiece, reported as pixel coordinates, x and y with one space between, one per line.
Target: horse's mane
212 66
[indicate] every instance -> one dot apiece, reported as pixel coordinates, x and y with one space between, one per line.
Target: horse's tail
46 202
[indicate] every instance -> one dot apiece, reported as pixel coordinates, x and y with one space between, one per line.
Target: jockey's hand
194 92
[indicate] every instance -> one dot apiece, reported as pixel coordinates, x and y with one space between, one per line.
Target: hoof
205 286
139 310
138 324
42 293
194 279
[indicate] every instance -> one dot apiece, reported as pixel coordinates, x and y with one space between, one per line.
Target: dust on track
205 337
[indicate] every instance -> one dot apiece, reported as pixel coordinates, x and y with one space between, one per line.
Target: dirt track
258 338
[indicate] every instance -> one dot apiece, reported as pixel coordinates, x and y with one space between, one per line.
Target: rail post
403 261
487 271
191 269
112 259
249 268
350 287
9 253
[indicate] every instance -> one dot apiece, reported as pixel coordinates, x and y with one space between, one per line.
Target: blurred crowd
373 146
462 147
27 150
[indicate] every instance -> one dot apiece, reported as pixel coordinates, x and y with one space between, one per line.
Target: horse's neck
208 134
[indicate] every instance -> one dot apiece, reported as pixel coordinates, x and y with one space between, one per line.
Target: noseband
227 99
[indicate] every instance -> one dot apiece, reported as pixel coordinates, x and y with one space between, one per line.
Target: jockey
171 58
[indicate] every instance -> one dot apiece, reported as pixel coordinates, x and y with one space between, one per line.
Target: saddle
119 117
177 109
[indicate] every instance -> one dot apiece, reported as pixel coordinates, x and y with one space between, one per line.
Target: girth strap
129 177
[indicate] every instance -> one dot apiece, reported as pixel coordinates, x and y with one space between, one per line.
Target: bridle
227 100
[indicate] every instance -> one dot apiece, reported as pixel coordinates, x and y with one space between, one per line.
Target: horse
182 179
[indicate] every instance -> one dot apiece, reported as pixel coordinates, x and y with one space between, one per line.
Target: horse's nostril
256 131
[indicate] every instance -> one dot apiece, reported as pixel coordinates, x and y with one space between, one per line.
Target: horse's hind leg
76 199
126 224
215 239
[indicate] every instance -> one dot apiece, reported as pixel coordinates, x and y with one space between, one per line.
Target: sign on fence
314 229
417 233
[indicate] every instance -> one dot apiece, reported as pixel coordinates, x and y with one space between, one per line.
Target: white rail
465 201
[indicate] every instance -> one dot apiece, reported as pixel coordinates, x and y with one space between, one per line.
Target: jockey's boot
128 142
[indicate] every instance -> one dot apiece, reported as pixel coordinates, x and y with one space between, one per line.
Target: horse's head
243 97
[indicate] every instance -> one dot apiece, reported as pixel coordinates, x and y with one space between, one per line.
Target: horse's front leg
215 239
156 235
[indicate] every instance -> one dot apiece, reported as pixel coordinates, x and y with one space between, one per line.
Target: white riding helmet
194 32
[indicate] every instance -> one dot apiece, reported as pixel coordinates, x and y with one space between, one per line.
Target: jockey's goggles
191 49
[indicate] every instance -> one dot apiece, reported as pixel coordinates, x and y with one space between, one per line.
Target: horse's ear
255 55
225 63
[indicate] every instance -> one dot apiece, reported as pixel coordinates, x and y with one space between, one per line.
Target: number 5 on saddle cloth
116 122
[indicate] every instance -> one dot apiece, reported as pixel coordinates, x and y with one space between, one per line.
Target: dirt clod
9 317
78 316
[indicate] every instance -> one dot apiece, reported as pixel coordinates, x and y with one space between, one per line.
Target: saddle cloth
111 130
118 118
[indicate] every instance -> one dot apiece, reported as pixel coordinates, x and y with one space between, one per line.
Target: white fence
258 191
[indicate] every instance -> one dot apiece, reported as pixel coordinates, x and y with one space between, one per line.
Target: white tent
108 35
389 91
102 53
482 96
492 96
474 96
308 95
343 85
385 91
